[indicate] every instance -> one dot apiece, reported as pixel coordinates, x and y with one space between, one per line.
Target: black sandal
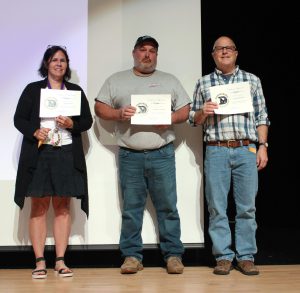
65 271
39 273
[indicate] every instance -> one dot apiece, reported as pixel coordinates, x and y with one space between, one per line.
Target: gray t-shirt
116 92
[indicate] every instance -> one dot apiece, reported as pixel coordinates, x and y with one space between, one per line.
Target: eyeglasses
60 46
221 48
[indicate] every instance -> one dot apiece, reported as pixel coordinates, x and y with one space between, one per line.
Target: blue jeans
152 171
221 166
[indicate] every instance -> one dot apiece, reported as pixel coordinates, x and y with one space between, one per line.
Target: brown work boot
174 265
223 267
247 267
131 265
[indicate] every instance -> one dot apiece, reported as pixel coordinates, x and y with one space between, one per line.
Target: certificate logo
141 108
222 99
50 103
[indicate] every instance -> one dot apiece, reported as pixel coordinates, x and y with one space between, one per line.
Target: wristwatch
265 144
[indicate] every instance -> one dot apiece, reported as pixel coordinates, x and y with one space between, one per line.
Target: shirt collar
219 72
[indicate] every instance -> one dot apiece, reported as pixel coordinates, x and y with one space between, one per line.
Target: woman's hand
41 133
64 122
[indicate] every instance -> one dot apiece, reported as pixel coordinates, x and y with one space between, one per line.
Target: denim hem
175 255
138 258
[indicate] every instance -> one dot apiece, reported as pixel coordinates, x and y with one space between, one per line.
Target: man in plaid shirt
236 149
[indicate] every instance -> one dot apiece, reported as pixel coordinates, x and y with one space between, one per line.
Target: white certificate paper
151 109
59 102
232 98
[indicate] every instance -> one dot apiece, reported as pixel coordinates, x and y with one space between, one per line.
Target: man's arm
181 114
207 110
262 154
262 132
106 112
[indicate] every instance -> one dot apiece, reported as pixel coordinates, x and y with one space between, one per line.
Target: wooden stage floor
272 278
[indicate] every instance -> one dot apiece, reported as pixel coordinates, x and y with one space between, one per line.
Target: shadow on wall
192 138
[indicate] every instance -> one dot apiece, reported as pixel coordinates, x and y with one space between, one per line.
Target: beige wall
112 28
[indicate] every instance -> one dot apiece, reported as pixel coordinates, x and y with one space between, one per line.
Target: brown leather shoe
247 267
174 265
131 265
223 267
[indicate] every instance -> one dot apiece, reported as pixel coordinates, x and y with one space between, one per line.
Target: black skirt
55 174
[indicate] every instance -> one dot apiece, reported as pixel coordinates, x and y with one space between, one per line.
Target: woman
52 165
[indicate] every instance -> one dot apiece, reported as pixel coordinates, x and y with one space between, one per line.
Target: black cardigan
27 121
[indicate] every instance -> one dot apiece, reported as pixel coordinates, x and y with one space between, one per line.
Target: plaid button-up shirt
235 126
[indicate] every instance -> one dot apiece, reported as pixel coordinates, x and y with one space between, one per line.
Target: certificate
151 109
59 102
232 98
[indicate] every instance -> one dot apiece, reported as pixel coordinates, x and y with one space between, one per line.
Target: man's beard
147 67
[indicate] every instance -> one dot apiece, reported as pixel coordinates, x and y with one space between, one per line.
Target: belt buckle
230 141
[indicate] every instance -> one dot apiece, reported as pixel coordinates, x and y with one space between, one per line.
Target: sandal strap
60 258
38 259
65 270
39 271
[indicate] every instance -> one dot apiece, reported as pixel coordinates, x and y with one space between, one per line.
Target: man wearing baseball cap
146 154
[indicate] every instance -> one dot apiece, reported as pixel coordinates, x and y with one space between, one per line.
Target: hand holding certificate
58 103
151 109
232 98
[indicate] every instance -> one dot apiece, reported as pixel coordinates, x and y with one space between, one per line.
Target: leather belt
145 150
232 143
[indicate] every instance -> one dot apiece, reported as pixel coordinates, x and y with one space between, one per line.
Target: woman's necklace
55 137
50 87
